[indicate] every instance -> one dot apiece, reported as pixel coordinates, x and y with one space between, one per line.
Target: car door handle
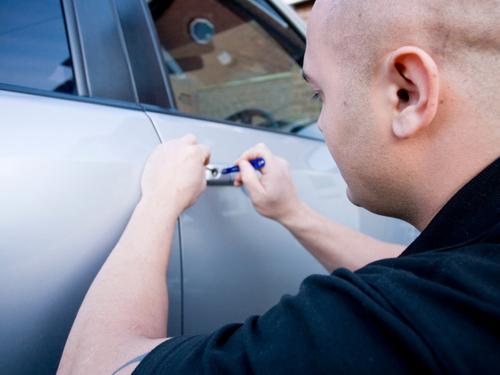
218 174
214 176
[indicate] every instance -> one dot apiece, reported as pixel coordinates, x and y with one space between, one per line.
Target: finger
205 153
258 151
249 178
189 139
237 180
203 182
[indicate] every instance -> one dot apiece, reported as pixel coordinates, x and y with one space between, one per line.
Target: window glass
33 46
235 60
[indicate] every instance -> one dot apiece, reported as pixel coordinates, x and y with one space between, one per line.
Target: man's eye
316 96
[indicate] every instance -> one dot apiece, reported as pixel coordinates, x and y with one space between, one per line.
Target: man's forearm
128 298
335 245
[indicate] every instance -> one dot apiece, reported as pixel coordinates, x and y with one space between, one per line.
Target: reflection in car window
33 46
235 60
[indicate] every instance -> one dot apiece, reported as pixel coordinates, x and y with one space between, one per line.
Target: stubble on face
346 118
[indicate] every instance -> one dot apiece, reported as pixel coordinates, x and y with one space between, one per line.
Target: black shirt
434 309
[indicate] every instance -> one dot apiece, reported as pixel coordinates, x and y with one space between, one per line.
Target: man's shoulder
477 252
467 272
432 263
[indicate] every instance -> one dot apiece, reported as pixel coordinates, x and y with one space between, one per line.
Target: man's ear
413 80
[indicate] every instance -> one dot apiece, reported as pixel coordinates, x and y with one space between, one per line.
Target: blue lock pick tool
258 163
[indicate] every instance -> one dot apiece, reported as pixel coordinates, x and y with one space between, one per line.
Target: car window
236 61
33 46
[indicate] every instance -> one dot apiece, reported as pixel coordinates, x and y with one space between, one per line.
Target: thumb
249 178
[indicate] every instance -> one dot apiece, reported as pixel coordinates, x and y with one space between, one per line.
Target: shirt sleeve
336 323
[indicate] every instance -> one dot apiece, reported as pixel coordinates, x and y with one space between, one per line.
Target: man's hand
174 175
273 194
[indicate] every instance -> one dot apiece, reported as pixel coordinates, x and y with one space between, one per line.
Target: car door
234 69
73 142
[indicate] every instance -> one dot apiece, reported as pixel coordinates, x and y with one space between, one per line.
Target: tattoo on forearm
136 359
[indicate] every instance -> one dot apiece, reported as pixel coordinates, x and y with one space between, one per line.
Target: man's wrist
163 213
293 215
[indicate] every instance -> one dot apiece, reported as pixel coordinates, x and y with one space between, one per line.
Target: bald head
410 93
459 31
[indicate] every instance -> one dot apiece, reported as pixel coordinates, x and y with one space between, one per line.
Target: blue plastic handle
258 163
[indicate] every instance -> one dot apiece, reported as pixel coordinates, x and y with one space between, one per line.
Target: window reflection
237 61
33 46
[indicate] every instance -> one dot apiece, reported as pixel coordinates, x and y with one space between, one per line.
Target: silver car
87 89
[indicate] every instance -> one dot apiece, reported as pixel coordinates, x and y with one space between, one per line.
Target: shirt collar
472 212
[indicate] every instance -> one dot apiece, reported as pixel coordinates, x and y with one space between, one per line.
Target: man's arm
332 244
335 245
124 314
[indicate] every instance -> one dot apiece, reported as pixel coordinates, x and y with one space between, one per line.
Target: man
411 115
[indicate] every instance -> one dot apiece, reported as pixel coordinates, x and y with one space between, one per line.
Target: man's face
349 124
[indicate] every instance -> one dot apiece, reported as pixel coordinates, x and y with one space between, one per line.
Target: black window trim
75 48
144 54
91 60
162 94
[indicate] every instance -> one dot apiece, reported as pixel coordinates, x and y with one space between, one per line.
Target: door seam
181 273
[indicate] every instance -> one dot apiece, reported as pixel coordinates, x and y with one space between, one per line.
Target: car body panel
70 175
